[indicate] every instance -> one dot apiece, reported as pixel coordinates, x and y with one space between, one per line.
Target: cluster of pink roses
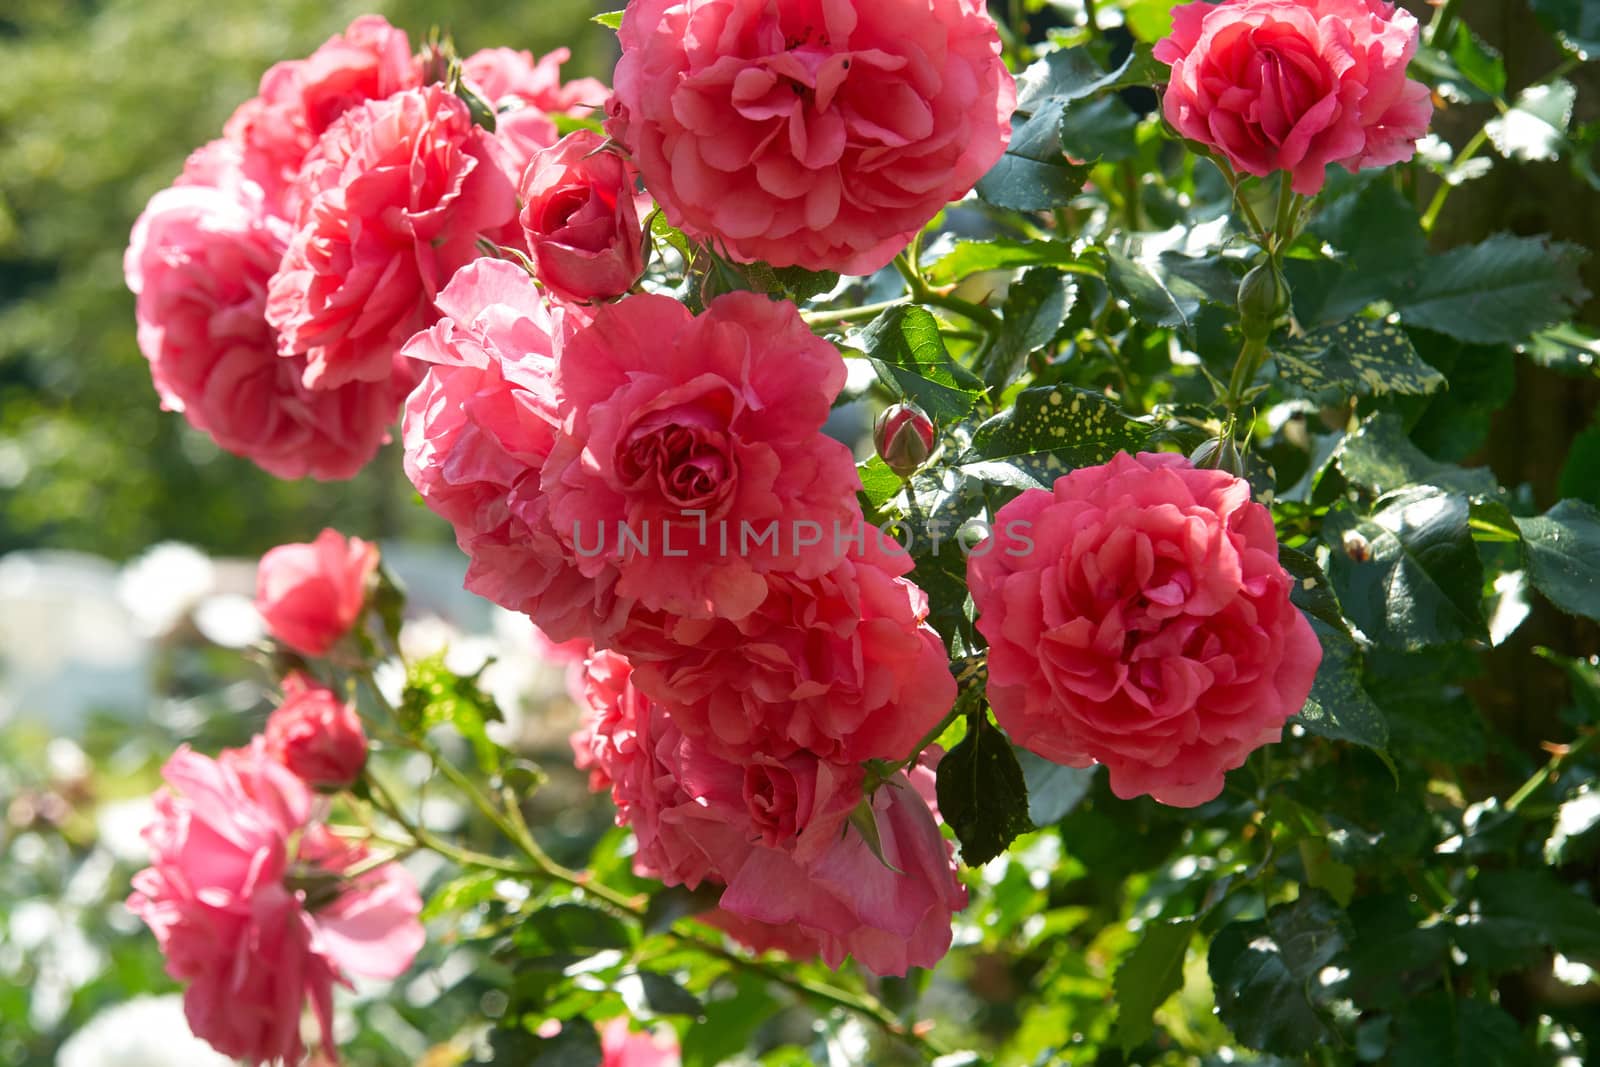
257 904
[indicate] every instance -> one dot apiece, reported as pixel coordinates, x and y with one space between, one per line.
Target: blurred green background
100 101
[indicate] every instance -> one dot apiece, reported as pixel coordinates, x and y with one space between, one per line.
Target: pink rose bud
1294 85
1219 454
904 438
310 595
316 735
581 218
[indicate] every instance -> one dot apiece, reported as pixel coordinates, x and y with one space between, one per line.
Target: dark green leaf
1577 821
1376 228
1409 575
1563 551
1034 174
1463 66
1053 790
649 993
565 933
971 257
1155 301
1266 973
1497 291
1035 307
1339 707
1568 348
1459 1031
1054 429
1312 592
1150 974
729 1023
1363 357
1099 129
1515 912
982 794
908 353
1580 474
577 1045
677 902
1576 22
1380 458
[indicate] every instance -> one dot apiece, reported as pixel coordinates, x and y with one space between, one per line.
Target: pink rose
199 261
843 665
316 735
251 908
477 432
510 79
1295 85
1138 617
620 1046
301 98
310 595
692 465
396 194
822 134
581 219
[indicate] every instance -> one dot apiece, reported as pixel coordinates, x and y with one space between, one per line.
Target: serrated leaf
1339 707
879 484
1376 228
1409 575
1155 301
907 351
1101 128
1515 912
1497 291
1379 457
1053 790
1035 174
971 257
1312 592
1265 973
1357 357
1563 553
1150 974
1035 307
982 794
1053 429
611 20
1535 126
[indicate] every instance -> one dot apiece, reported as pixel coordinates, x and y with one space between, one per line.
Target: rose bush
846 684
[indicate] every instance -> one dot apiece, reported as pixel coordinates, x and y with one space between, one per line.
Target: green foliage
983 796
1268 974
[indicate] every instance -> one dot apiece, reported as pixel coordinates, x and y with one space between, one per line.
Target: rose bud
310 595
1219 454
581 217
903 436
1263 300
316 735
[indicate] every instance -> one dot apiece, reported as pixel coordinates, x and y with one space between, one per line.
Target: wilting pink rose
252 910
510 79
478 430
301 98
581 219
309 595
821 134
692 465
843 665
396 195
199 261
1295 85
892 913
316 735
1137 616
621 1046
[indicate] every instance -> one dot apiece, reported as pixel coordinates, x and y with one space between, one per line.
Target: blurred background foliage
100 101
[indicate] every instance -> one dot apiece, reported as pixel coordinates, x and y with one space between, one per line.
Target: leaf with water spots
1360 357
1055 429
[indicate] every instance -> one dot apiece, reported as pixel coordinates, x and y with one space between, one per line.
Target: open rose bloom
1294 85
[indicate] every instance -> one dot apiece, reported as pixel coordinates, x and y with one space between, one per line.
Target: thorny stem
541 866
923 293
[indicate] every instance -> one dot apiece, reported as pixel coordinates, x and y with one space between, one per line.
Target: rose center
685 463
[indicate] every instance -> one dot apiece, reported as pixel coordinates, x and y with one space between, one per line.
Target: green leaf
1150 20
1376 227
1323 872
1170 302
1099 129
1460 1031
1576 821
1535 127
1312 593
1380 457
436 696
1339 707
1265 973
879 484
1150 974
971 257
1035 308
1575 22
1409 575
1463 66
650 993
1580 474
611 20
461 894
1515 912
729 1023
1568 348
577 1045
1053 429
1497 291
908 353
1053 790
1563 552
1034 174
1357 357
982 794
562 934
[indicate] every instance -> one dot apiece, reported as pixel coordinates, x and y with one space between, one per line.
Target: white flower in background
164 584
144 1032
